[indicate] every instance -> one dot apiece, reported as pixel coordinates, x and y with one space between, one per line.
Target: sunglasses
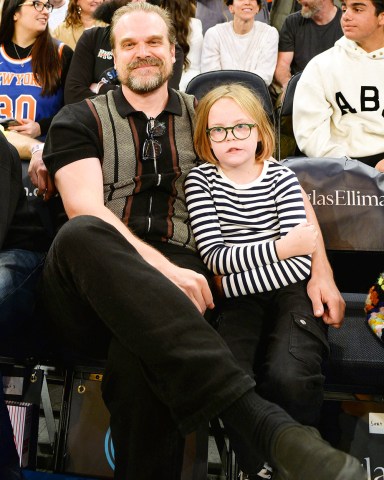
151 147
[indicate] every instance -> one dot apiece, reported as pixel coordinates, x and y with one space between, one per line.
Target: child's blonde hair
247 101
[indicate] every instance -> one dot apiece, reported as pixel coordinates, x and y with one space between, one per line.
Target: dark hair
104 12
379 6
46 61
181 12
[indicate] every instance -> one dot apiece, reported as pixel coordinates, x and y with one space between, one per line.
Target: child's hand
301 240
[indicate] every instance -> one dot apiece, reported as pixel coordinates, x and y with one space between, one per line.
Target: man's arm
81 187
283 69
327 301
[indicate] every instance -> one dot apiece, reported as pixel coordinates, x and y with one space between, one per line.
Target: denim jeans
167 369
276 338
19 275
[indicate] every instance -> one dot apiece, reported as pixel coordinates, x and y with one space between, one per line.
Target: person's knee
77 230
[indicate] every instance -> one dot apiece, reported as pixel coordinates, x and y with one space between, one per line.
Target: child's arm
300 240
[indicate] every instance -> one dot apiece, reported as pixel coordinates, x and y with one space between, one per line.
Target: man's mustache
144 63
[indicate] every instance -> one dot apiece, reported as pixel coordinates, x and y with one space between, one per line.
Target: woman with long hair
33 67
79 17
189 35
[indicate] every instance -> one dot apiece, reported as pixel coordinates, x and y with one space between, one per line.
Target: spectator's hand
28 128
193 284
380 166
93 87
40 177
327 301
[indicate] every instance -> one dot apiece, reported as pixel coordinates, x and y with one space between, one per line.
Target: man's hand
28 128
380 166
193 284
327 301
40 177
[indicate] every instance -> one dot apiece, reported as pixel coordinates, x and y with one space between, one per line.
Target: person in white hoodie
339 100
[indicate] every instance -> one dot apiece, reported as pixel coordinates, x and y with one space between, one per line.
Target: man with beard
123 272
304 34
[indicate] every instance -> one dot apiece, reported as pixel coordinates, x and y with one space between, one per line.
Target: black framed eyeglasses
151 147
39 6
241 131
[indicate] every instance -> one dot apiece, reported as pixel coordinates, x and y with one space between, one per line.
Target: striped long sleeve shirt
236 226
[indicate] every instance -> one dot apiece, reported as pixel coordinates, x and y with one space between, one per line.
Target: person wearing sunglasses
33 67
123 278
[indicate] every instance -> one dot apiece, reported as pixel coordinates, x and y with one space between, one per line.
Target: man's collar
125 109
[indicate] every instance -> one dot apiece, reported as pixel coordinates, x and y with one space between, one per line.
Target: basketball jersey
20 94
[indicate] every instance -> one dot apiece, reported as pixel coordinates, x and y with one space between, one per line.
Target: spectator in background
241 44
189 34
305 34
280 10
33 67
23 246
78 18
339 99
212 12
92 70
58 13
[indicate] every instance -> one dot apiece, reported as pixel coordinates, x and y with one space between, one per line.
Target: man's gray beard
139 85
309 13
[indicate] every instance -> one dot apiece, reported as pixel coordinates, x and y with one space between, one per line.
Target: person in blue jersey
248 218
33 67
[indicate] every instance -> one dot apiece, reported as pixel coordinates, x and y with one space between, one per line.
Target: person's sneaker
264 472
301 454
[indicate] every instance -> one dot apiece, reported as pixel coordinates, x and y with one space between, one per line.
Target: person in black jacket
92 69
23 245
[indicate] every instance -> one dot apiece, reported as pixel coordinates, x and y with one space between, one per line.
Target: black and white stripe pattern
236 226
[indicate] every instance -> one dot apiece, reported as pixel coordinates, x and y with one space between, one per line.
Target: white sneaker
265 472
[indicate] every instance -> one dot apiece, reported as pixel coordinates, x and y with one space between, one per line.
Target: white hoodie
338 107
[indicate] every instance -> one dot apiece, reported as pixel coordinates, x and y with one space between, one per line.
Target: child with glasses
247 214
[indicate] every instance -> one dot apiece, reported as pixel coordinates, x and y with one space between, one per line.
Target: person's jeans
276 338
19 274
167 369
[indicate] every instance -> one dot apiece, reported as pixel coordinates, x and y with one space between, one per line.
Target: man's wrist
37 147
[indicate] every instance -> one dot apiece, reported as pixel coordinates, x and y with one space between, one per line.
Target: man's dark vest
122 166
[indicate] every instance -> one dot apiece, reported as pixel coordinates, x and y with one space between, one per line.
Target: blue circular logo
109 450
